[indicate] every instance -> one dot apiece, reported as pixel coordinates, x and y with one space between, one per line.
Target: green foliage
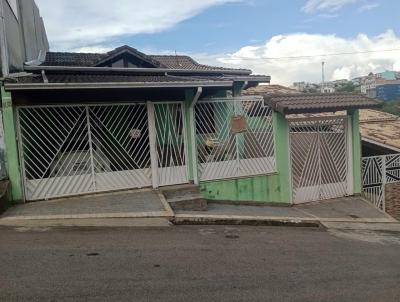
392 107
348 87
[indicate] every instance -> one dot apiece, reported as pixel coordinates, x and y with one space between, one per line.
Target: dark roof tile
162 61
311 103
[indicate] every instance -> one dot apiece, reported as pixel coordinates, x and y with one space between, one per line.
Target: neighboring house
22 38
269 89
22 35
380 132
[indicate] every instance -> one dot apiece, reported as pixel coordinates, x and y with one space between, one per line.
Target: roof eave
286 111
135 70
64 86
256 79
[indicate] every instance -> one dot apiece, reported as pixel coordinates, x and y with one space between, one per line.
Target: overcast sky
255 34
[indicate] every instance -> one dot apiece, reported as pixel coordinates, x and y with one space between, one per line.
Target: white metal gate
377 172
234 138
319 153
68 150
170 141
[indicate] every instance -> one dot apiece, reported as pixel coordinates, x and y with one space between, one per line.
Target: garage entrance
76 149
320 158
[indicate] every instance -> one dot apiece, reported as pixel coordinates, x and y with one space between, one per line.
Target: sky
285 39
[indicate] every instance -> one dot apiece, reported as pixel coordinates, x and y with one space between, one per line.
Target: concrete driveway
126 204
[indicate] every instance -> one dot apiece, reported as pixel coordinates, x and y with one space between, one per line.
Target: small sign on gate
135 133
238 124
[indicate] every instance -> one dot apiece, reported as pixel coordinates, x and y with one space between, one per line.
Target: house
83 123
380 132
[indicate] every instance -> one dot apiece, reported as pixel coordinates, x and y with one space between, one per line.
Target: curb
177 220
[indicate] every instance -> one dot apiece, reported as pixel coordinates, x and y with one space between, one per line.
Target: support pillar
190 132
354 117
10 140
282 154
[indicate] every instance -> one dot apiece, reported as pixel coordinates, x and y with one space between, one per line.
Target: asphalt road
191 263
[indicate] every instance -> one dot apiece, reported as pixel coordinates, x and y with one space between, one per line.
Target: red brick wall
392 194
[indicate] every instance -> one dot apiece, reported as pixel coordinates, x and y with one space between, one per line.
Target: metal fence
377 172
75 149
234 138
319 153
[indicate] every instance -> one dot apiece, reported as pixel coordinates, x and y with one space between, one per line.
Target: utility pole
323 77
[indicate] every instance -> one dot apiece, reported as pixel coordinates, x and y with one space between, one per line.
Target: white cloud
287 71
326 5
81 23
368 6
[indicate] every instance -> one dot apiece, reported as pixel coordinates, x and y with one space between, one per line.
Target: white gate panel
120 144
234 138
171 143
69 150
319 153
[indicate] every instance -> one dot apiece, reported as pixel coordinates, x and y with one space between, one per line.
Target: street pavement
198 263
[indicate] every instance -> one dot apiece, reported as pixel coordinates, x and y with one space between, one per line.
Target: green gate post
189 124
10 139
354 116
282 154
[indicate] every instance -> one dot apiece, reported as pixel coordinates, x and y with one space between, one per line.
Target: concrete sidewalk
349 209
131 208
137 204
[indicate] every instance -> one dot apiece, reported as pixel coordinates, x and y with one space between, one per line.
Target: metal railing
234 137
377 172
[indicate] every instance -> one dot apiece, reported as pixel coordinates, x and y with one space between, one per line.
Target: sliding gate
320 154
69 150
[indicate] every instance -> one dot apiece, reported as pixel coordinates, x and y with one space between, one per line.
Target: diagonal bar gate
377 172
68 150
319 154
234 138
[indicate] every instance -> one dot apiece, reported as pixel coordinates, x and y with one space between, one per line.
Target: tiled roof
72 59
129 50
102 78
162 61
269 89
380 127
186 62
309 103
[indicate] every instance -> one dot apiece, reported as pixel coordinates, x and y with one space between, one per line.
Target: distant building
327 89
387 75
388 91
370 83
22 35
306 87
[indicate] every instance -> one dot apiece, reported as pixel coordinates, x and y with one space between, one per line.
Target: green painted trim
237 89
262 189
354 115
191 162
10 139
282 154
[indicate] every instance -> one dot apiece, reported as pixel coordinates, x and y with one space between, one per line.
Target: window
14 6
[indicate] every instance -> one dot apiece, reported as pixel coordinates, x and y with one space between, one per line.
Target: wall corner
10 140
